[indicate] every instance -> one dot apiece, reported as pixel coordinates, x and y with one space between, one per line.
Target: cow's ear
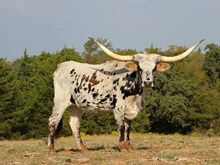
131 66
161 67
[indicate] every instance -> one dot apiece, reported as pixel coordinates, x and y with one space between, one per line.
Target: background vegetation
184 99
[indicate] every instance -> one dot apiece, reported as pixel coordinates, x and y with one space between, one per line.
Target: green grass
168 156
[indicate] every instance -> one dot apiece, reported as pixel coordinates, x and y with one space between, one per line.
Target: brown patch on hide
83 78
87 79
93 80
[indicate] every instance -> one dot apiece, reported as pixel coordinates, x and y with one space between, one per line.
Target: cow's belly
95 109
95 102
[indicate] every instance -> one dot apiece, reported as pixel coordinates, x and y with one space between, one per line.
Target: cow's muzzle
148 84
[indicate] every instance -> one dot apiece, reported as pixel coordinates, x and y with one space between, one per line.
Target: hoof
130 149
123 150
125 146
51 149
83 148
52 152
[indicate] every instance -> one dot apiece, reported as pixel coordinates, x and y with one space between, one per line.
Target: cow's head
146 64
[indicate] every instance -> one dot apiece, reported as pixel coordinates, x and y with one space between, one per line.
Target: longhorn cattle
115 86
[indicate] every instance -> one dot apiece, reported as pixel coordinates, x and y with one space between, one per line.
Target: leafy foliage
212 64
183 99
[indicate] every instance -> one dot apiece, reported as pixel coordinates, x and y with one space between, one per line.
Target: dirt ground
148 149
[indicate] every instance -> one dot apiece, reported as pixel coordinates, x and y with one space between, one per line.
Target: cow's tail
59 128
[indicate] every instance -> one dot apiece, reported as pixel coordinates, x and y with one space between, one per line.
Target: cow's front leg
121 131
75 127
119 116
124 127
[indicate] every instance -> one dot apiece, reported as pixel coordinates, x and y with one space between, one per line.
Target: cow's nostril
148 78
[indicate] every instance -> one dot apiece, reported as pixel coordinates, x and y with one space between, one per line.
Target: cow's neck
132 84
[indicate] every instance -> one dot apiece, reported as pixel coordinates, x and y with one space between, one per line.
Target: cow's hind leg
55 121
75 126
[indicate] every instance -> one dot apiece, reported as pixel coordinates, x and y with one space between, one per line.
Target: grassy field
148 149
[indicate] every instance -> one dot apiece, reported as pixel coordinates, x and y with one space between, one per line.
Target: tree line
184 99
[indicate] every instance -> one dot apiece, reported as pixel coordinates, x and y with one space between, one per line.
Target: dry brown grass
148 149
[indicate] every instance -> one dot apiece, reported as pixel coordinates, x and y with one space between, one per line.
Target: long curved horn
181 56
111 54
